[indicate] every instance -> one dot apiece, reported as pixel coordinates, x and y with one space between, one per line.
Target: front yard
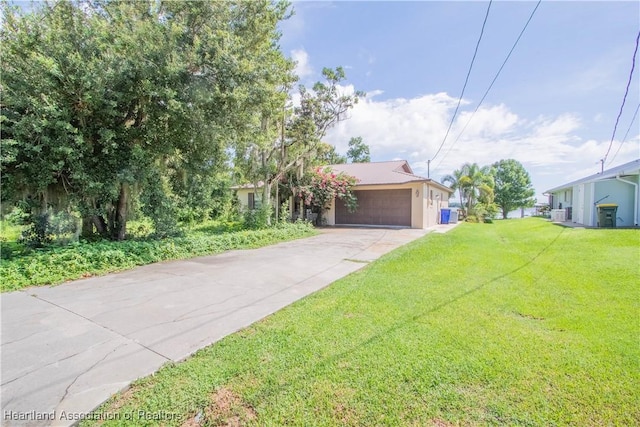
520 322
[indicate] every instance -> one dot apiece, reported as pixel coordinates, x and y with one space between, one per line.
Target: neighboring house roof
252 186
383 173
631 168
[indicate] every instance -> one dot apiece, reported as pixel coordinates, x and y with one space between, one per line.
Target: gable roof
631 168
383 173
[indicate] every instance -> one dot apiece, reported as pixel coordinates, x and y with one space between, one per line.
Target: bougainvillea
325 185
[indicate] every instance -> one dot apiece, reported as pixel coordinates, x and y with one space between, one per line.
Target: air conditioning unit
558 215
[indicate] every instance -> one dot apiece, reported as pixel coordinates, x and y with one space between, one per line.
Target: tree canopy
512 187
358 151
109 103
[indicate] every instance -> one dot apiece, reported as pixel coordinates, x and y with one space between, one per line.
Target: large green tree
107 101
287 140
512 187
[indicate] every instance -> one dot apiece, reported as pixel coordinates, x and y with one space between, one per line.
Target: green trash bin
607 215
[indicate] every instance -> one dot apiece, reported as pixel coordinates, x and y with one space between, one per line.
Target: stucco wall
434 200
243 196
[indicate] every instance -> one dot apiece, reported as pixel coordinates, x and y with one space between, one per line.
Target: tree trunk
87 226
101 225
120 214
277 207
266 200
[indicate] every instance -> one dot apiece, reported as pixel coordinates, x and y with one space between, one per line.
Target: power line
633 119
624 99
466 80
493 81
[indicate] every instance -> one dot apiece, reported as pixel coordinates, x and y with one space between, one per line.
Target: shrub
44 229
255 219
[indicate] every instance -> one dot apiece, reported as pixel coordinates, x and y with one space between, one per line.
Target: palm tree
455 182
476 182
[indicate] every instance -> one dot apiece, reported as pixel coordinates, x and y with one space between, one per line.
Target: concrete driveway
66 349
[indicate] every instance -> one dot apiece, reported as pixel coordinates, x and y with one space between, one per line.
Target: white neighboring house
619 185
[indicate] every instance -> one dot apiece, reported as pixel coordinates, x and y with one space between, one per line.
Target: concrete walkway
66 349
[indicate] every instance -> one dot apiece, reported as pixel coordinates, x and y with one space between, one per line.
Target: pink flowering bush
325 185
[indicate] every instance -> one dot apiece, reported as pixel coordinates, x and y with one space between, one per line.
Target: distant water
518 213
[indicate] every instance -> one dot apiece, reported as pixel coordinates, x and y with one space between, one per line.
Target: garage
378 207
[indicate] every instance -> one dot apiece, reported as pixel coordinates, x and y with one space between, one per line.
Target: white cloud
550 148
303 67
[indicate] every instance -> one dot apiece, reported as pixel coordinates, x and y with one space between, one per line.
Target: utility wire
466 80
633 66
493 81
633 119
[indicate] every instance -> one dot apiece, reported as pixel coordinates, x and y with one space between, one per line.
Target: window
252 201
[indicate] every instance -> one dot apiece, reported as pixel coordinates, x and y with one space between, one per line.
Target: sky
553 107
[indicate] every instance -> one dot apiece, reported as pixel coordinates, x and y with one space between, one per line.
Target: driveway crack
66 391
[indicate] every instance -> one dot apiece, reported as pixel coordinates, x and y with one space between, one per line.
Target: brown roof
380 173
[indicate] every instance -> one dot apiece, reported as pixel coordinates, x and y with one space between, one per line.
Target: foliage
456 183
258 218
59 264
323 187
18 215
483 212
282 145
510 336
474 184
101 97
358 151
44 229
513 187
326 154
477 182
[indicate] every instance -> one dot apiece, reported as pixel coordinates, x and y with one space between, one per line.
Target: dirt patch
226 409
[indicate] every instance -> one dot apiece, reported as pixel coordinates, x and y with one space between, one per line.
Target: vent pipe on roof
635 197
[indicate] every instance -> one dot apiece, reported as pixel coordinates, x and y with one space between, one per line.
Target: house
580 199
249 195
390 194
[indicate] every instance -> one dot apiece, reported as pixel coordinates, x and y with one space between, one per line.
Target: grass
514 323
58 264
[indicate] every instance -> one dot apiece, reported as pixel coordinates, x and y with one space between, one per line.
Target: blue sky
553 107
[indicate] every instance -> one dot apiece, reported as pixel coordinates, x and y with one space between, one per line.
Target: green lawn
520 322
